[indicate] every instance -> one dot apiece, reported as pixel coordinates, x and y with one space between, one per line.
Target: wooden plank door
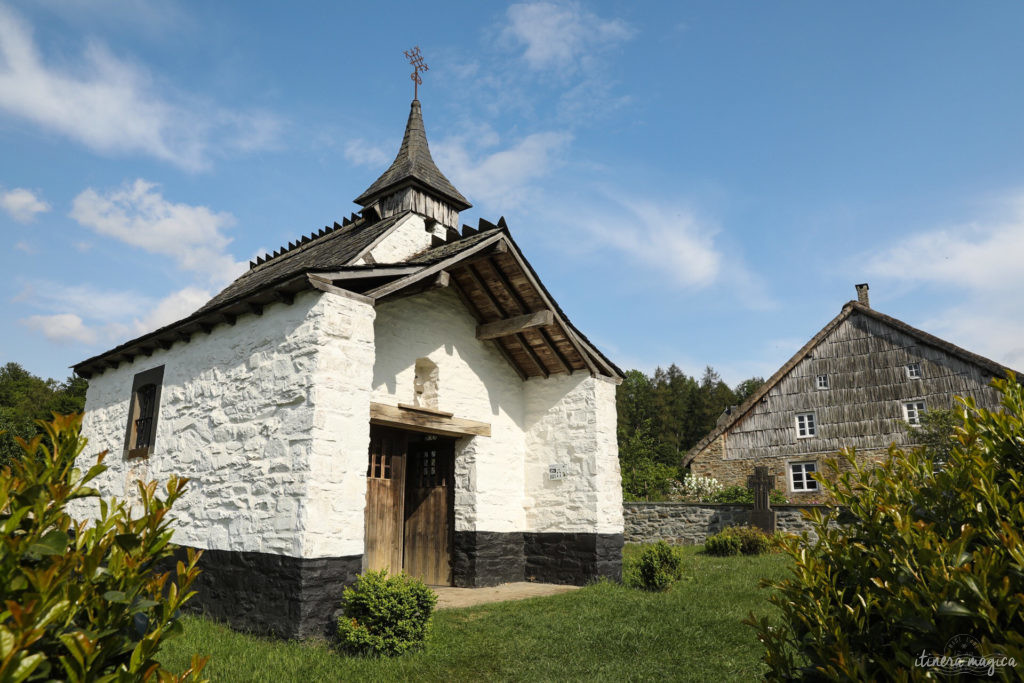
385 500
429 509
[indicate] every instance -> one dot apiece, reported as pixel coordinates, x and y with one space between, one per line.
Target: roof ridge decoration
414 166
849 309
305 239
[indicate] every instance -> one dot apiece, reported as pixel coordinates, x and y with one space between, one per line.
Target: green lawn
604 632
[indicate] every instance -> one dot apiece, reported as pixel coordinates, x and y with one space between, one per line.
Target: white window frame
806 483
809 427
913 370
821 382
912 411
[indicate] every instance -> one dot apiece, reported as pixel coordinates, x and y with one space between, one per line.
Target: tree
643 476
84 600
25 398
936 434
746 388
929 562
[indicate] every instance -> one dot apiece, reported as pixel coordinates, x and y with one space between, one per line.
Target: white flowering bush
699 489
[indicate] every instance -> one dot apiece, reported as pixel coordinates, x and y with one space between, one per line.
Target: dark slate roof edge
195 317
849 308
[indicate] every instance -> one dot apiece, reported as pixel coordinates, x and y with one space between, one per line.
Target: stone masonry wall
692 523
570 422
239 413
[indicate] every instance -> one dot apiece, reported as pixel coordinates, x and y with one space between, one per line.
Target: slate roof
849 309
414 165
332 251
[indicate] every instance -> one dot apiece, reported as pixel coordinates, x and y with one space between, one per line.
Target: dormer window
821 382
913 371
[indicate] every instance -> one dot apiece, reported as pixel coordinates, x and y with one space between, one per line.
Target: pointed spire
414 166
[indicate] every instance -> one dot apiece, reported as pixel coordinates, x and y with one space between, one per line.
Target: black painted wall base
264 593
294 597
487 558
572 558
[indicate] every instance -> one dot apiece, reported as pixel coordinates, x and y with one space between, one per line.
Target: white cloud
974 270
669 239
62 328
138 215
85 314
22 204
112 106
362 153
505 177
561 36
22 245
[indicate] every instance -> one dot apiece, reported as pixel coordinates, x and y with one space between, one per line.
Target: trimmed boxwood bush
385 615
659 566
927 555
734 540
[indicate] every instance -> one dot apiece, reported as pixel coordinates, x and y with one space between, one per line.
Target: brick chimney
862 294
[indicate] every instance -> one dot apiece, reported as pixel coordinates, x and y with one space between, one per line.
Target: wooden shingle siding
866 361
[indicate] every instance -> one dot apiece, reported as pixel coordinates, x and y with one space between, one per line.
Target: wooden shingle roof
851 308
414 166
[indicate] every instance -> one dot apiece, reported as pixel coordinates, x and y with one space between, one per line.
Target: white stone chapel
390 392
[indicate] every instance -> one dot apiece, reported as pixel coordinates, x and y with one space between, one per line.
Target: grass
602 632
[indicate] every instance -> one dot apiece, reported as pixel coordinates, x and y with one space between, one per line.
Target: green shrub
385 615
926 556
658 567
734 540
741 494
722 544
84 601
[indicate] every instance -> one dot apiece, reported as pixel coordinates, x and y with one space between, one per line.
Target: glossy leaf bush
84 600
925 555
385 615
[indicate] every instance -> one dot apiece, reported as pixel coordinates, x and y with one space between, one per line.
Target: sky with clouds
696 183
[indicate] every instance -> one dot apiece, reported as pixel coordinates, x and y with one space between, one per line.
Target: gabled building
858 383
388 392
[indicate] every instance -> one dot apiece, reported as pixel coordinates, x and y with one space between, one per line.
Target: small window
822 382
912 412
913 370
143 411
800 478
806 425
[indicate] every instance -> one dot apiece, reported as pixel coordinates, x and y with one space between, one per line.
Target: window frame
813 431
919 406
153 377
912 368
808 484
818 382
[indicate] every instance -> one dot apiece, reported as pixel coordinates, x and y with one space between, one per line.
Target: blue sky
697 183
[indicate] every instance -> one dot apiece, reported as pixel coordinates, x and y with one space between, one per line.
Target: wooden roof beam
512 326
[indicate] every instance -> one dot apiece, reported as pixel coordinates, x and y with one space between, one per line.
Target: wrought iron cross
418 65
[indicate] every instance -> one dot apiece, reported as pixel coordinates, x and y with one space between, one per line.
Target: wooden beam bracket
512 326
429 422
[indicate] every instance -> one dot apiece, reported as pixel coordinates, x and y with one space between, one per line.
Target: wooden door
429 508
385 499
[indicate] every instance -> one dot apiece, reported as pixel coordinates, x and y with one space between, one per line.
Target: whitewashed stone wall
407 238
474 382
570 421
265 419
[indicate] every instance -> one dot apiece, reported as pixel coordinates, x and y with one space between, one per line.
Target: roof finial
418 65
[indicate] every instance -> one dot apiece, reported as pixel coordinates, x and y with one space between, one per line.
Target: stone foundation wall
692 523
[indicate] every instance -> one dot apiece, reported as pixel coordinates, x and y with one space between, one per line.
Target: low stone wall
692 523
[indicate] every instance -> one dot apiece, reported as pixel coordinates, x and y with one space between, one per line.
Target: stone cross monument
762 516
